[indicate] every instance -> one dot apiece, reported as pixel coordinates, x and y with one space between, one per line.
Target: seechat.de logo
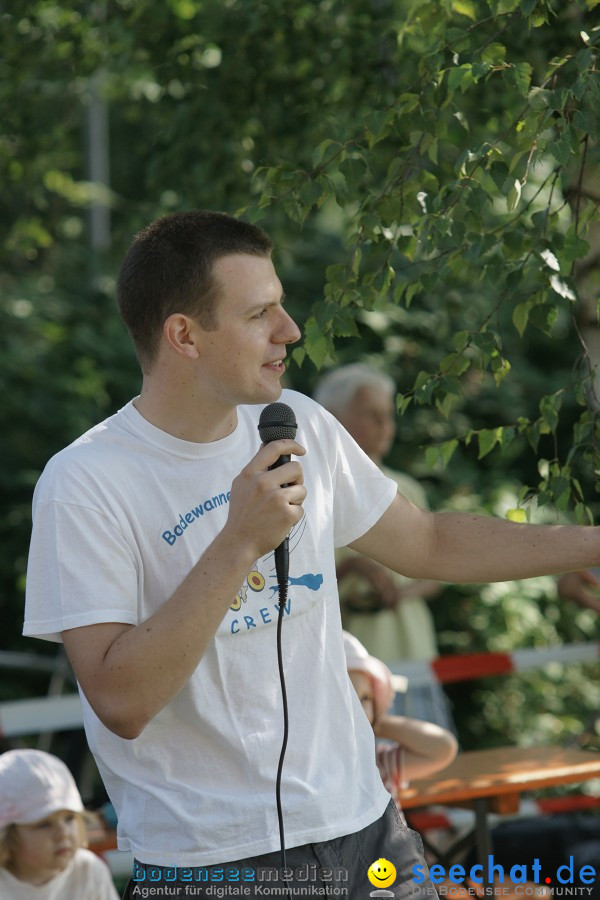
518 875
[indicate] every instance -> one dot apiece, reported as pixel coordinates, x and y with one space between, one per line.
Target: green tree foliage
462 200
429 173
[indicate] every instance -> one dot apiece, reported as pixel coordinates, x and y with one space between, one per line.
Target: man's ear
181 334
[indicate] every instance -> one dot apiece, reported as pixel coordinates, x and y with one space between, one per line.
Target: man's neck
186 416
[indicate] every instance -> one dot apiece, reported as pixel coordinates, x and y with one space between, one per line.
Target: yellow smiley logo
381 873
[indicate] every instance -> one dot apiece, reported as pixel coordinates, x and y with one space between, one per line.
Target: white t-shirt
120 518
85 878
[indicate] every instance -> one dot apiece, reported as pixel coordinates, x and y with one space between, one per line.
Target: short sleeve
362 492
81 571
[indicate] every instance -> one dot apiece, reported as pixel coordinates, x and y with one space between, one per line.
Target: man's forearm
482 548
458 547
145 666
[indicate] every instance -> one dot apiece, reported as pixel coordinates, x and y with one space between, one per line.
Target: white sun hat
33 785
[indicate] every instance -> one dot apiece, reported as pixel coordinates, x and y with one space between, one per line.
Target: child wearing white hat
43 837
412 748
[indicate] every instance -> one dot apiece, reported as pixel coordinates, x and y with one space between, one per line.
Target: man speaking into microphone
152 559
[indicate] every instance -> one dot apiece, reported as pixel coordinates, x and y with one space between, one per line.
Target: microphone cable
283 589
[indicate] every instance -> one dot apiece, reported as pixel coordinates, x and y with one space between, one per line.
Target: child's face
43 849
364 689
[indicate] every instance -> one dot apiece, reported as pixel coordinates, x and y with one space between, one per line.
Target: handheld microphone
277 421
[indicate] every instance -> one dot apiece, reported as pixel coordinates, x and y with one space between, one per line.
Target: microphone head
277 421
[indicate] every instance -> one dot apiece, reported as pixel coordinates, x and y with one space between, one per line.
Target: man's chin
270 395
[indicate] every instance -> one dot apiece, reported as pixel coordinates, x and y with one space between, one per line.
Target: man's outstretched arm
461 548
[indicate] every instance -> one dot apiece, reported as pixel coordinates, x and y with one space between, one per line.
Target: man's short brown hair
169 269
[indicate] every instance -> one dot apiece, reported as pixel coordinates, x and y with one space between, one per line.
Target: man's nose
288 332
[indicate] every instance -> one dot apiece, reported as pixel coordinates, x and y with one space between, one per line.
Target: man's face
370 420
242 360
